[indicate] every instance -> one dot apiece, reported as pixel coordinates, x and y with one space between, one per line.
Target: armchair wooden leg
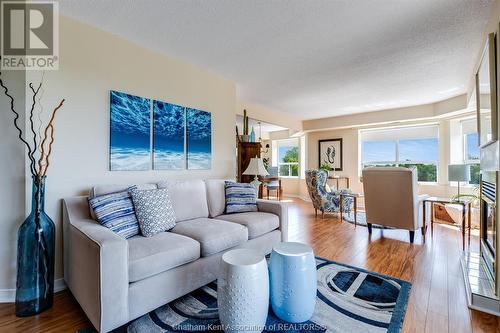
316 212
369 225
322 214
412 236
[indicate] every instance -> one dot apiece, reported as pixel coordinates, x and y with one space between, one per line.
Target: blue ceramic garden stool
292 273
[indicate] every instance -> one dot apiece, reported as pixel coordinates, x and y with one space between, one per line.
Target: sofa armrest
95 266
277 208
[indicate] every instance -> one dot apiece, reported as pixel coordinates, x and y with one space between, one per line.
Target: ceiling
260 127
312 59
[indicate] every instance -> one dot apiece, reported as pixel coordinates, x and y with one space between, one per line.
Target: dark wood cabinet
246 151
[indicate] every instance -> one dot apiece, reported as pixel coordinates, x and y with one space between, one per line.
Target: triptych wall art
181 136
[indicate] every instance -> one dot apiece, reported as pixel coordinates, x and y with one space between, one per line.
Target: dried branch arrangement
40 149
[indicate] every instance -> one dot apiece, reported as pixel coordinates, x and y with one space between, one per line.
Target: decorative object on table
322 200
330 154
199 139
154 210
130 132
238 139
256 168
36 236
458 173
377 304
116 212
240 197
292 275
245 137
243 291
252 136
168 136
486 95
398 198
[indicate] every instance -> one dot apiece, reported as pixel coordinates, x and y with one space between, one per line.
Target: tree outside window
288 158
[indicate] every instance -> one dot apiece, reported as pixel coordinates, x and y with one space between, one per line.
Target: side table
355 197
293 279
466 205
243 291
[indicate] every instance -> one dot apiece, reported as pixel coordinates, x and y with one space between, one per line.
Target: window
403 147
471 149
288 157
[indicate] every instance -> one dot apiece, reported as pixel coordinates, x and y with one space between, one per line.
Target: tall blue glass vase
35 257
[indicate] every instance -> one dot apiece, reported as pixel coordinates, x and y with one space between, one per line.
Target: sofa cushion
257 223
189 198
216 196
163 251
214 235
154 211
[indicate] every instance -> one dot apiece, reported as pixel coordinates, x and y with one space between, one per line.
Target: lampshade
256 167
458 172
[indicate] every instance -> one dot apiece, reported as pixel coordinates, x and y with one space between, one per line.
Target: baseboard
9 295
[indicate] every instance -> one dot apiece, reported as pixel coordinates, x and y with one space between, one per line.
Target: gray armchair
391 199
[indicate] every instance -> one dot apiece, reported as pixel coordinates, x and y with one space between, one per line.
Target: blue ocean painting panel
168 136
199 139
130 132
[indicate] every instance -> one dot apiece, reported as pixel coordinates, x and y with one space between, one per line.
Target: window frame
468 161
465 129
397 162
279 163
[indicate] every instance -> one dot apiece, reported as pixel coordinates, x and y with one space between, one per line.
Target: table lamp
458 173
256 167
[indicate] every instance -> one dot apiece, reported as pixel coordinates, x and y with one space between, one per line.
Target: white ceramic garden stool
243 291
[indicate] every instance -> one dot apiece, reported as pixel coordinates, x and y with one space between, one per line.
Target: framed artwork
168 136
130 132
199 139
486 95
330 153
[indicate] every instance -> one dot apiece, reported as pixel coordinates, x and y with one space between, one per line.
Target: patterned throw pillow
154 211
240 197
116 212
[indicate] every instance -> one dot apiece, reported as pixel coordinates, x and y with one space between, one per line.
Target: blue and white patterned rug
349 299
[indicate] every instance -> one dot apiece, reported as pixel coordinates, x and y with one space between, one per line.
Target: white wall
12 191
92 62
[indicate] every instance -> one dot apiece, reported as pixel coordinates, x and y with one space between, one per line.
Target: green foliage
474 173
426 172
292 155
326 167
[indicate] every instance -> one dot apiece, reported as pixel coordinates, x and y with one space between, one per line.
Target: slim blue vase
293 281
35 257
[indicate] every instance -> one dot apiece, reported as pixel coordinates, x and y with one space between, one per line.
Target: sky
409 150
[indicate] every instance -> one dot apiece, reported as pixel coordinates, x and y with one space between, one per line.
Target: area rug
361 220
349 299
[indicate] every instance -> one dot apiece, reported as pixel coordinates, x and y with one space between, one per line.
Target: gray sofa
117 280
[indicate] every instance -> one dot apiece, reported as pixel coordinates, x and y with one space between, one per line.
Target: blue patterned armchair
325 201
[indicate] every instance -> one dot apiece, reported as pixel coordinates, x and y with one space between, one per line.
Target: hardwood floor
437 302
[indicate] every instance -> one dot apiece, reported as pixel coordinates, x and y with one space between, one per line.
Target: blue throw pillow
116 212
240 197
